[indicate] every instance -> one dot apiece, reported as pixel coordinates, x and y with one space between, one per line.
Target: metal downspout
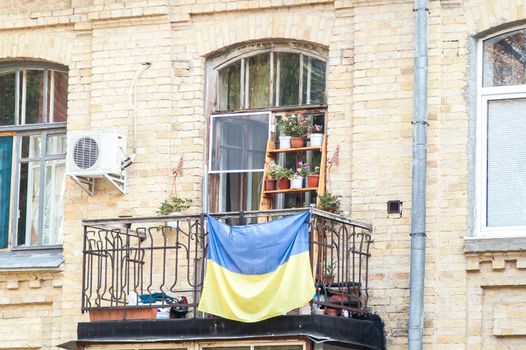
418 212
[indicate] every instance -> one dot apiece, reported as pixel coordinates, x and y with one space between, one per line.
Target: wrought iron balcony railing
159 262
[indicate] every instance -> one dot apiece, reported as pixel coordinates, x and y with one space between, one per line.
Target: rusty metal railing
159 262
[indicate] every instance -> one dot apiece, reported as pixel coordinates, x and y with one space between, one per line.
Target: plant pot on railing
136 313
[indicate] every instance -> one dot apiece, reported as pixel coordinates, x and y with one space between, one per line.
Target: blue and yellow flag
259 271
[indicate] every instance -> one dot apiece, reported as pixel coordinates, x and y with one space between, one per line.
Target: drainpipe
418 212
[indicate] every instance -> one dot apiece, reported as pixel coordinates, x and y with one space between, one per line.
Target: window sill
31 260
501 244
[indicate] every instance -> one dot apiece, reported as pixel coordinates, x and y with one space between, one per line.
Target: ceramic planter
270 185
316 140
313 180
296 182
283 184
284 142
297 142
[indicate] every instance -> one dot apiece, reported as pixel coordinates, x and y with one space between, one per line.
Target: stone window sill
504 244
30 260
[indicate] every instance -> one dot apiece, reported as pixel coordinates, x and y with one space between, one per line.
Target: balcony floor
352 333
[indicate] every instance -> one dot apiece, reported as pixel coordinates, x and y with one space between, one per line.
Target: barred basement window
33 106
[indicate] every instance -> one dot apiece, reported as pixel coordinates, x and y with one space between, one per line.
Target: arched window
501 138
251 87
33 115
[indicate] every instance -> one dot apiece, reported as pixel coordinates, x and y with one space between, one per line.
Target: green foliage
331 203
277 172
291 126
173 204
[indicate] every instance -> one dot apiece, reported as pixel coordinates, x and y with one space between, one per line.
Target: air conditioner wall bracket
118 181
87 184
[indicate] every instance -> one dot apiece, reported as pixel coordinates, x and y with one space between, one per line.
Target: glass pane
7 98
28 203
505 59
258 80
54 202
239 142
32 92
56 144
287 75
58 94
506 182
235 192
313 81
31 146
6 153
229 85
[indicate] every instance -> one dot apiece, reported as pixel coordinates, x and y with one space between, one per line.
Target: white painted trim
484 95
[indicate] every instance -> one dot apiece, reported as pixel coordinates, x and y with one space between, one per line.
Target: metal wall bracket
118 181
87 184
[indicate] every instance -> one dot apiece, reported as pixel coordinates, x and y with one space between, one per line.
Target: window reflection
505 59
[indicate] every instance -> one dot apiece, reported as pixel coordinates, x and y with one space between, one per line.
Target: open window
33 106
251 88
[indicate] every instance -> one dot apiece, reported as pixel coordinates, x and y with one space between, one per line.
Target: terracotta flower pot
313 180
270 185
297 142
283 184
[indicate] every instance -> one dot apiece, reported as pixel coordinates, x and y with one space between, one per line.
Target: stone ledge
483 245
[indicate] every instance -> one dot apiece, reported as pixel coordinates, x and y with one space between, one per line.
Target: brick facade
472 301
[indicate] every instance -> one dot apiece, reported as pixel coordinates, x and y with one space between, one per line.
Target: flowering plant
315 129
291 126
316 171
302 169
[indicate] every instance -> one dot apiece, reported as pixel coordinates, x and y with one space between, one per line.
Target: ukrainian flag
258 271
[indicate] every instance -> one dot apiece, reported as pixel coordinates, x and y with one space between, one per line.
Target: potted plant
173 205
270 182
330 202
283 176
316 135
313 178
292 128
301 171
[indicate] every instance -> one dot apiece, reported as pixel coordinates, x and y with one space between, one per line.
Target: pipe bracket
423 234
423 122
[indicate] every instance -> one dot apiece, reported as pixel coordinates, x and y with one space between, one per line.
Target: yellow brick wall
370 81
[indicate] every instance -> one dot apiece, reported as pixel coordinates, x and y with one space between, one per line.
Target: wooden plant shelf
266 201
299 149
293 190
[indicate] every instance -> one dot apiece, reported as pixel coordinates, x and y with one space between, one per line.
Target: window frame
224 58
17 131
273 91
484 96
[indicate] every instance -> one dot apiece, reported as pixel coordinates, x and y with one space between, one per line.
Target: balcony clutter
139 268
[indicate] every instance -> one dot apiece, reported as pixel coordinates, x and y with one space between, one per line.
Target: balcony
135 269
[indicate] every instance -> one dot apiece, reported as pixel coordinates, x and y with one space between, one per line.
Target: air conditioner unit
93 155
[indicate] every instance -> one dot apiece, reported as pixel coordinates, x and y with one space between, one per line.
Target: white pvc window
501 136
